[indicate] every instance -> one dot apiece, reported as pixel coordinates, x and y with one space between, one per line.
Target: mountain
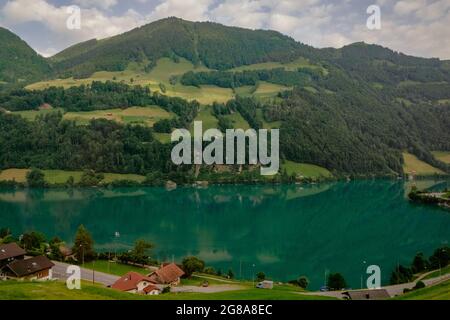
18 61
211 44
355 111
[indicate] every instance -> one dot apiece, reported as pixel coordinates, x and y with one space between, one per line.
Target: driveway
59 272
210 289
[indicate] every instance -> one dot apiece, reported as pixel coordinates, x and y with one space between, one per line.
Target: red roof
129 281
167 274
150 288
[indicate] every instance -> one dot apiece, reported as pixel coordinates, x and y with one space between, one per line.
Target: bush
419 285
36 179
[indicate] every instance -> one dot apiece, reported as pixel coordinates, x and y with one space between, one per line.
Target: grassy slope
443 156
12 290
135 115
438 273
165 69
438 292
306 170
61 176
412 164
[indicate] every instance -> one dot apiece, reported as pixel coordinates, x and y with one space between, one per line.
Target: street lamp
253 265
364 263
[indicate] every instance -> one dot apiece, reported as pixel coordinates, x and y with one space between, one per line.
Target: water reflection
286 231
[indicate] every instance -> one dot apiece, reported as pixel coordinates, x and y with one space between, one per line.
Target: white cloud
195 10
103 4
409 6
94 22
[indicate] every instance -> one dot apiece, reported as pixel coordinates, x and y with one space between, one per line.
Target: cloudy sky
417 27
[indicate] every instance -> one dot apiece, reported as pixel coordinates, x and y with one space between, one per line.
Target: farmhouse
10 252
168 274
36 268
134 282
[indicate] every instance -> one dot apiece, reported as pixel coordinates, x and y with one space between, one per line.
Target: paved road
59 272
394 290
210 289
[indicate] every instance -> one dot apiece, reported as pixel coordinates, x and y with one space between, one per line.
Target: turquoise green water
284 231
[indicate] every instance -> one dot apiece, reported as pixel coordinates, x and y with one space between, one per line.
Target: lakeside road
60 268
392 290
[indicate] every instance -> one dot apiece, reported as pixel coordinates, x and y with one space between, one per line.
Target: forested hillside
19 62
354 111
210 44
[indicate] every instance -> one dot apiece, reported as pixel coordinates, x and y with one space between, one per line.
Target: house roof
22 268
129 281
375 294
150 288
10 250
167 274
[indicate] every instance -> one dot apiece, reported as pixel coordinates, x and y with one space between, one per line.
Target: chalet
10 252
374 294
134 282
36 268
168 274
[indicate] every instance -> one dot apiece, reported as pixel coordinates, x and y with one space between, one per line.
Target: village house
169 274
134 282
36 268
10 252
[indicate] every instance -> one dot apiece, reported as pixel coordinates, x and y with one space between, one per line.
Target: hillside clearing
61 176
147 116
443 156
305 170
412 165
438 292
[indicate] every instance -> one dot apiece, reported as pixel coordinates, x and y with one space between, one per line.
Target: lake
284 231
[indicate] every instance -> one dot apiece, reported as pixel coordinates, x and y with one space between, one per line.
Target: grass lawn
414 165
306 170
61 176
116 268
238 121
246 294
291 66
443 156
162 137
18 175
438 292
209 120
31 115
269 90
56 290
134 115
